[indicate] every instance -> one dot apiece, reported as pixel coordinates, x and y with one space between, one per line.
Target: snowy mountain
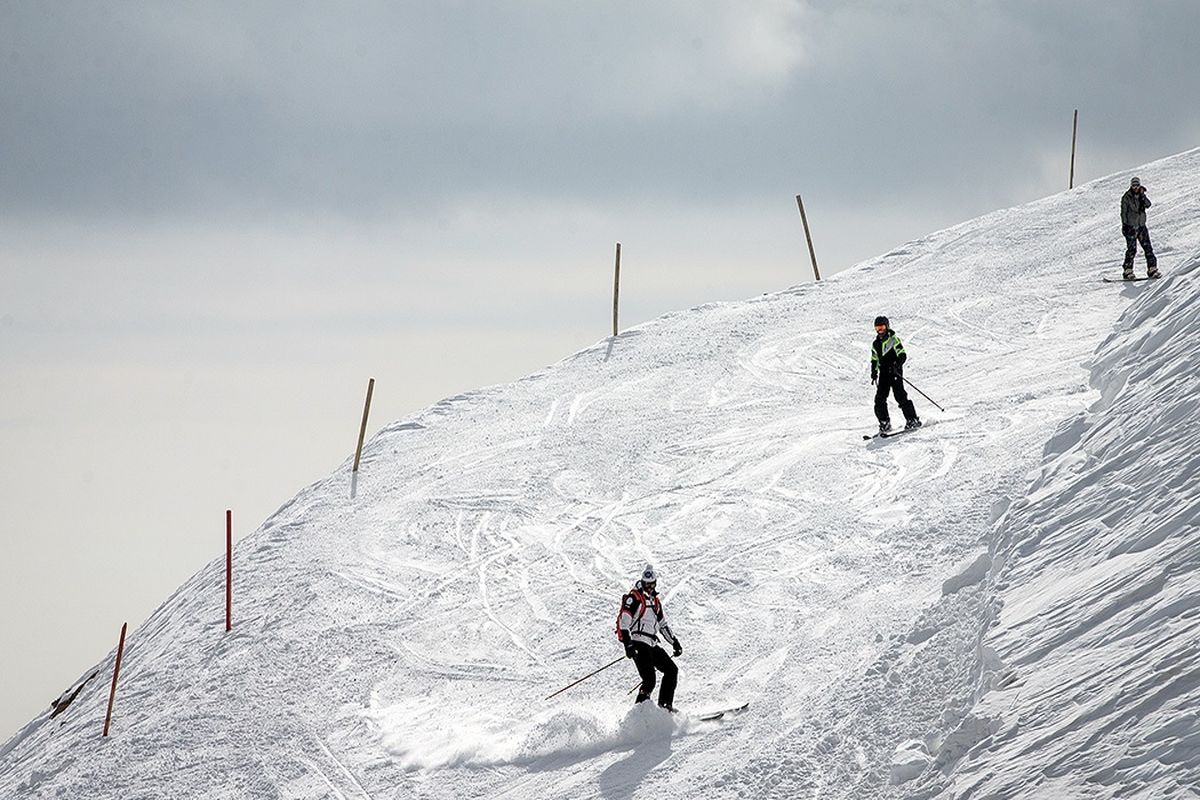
1003 604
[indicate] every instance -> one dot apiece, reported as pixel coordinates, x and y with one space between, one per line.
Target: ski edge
899 431
710 716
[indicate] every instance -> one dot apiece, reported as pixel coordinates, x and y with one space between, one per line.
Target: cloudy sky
217 220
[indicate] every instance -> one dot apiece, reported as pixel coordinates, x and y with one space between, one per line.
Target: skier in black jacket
887 373
1133 226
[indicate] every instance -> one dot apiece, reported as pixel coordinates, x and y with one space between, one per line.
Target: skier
639 624
1133 225
887 373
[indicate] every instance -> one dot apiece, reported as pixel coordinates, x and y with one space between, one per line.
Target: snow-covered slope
1092 687
907 617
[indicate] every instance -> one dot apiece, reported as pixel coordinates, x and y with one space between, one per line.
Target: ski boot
672 709
1128 274
1154 273
885 426
915 422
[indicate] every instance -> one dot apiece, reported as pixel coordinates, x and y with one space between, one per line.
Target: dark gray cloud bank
366 109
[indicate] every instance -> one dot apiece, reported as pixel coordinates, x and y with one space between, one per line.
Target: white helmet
649 575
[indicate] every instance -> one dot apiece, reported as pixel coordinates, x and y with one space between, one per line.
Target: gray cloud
369 108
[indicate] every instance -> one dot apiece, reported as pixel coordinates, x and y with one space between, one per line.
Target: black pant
895 384
1132 237
647 659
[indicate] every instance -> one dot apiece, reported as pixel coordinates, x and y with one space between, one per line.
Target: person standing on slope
1133 225
639 624
887 373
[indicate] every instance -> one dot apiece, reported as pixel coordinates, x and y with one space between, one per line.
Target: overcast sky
218 219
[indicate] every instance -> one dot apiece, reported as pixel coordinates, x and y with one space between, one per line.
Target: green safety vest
892 342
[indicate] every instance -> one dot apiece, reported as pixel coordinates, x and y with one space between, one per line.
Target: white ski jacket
641 615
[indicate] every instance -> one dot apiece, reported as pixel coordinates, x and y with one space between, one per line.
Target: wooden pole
808 238
112 694
1074 128
228 570
616 288
362 431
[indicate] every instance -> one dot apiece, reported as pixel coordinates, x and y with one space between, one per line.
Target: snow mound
910 760
1096 680
549 738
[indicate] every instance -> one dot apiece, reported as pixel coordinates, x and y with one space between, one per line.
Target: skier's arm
625 622
625 616
670 636
901 356
874 365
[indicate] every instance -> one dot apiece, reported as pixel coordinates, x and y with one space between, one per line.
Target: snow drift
1001 605
1094 680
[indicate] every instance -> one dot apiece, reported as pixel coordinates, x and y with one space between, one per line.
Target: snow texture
1004 605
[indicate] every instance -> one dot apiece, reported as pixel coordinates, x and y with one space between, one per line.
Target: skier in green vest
887 373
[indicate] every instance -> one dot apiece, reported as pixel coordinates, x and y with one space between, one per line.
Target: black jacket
887 355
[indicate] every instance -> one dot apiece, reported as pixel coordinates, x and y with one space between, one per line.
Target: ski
1125 280
709 716
869 436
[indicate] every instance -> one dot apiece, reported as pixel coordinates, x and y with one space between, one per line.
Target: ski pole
585 677
927 397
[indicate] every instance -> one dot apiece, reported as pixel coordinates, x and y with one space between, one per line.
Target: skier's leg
1130 246
1143 236
643 659
663 662
881 394
906 405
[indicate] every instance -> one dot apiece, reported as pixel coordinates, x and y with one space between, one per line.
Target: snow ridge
1095 684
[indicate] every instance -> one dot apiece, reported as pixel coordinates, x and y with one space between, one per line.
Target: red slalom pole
112 694
228 570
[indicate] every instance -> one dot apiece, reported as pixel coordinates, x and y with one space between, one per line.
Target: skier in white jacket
640 623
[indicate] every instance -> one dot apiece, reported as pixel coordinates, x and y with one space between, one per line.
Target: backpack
636 599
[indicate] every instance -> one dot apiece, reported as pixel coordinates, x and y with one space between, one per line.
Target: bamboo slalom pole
228 570
808 238
1074 129
362 430
112 693
616 289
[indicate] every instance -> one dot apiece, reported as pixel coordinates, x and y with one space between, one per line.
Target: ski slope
998 605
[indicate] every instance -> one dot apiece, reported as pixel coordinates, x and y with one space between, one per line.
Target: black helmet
882 320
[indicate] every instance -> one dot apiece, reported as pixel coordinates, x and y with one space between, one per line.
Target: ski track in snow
399 643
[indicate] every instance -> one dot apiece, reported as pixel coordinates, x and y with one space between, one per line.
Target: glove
678 649
627 640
